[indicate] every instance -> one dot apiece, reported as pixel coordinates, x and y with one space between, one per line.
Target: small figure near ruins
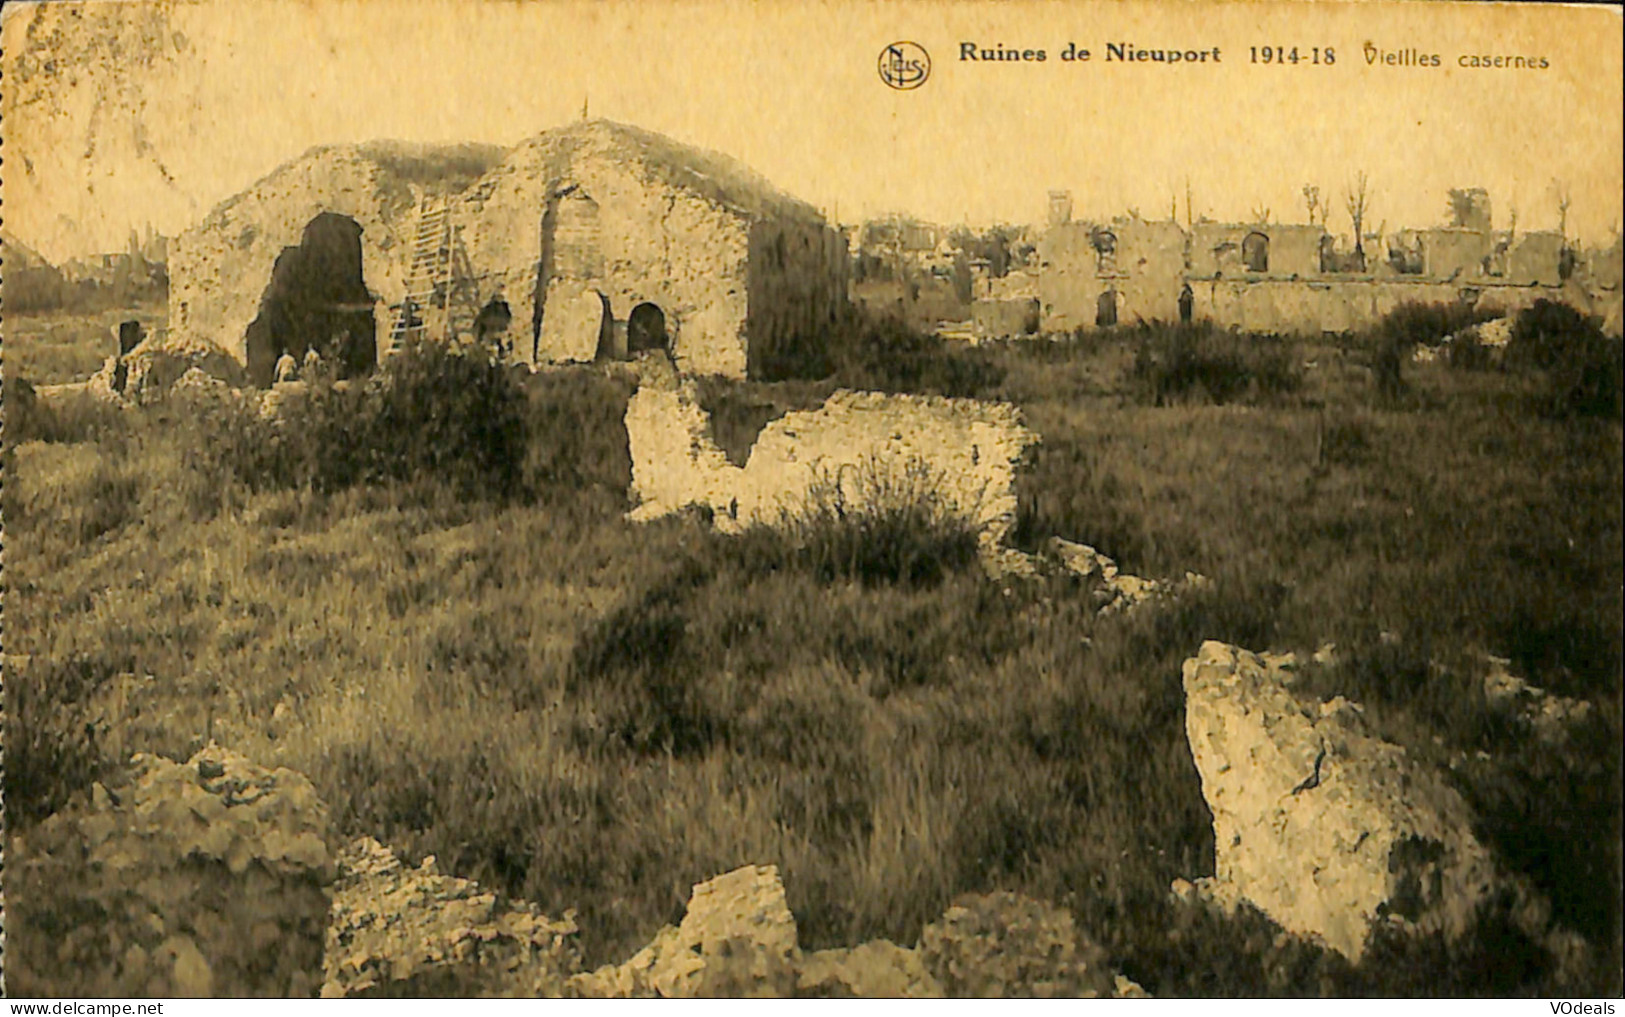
287 369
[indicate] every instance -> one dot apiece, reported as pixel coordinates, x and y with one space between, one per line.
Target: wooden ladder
428 277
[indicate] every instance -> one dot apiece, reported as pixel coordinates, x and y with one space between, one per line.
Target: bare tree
1261 215
1190 215
1561 190
1312 202
1357 199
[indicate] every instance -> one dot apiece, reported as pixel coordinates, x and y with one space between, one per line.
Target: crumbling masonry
589 241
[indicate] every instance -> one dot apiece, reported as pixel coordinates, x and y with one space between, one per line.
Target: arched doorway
1255 252
646 329
316 300
1106 309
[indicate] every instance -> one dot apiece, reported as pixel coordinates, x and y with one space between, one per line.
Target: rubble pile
401 932
204 878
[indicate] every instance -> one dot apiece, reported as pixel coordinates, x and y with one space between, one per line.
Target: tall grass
874 522
882 353
593 714
1201 363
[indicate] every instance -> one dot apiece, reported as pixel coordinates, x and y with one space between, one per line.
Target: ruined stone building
1278 277
587 241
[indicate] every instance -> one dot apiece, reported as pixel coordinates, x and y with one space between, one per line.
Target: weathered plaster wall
743 274
796 289
1312 307
219 269
647 241
1003 319
1452 252
1294 249
973 448
1145 271
1534 258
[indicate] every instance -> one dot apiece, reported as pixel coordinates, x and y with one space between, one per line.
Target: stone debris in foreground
739 939
1323 827
400 932
204 878
1115 591
1550 717
1003 944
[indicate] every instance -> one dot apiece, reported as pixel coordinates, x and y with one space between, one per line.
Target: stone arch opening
1255 252
316 300
646 329
1106 309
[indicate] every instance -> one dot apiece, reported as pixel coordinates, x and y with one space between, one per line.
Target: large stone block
1322 826
737 938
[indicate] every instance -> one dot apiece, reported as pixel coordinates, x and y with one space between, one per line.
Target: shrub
884 354
73 418
1400 331
888 524
1414 322
436 411
1197 362
1467 353
53 747
577 432
1583 365
449 415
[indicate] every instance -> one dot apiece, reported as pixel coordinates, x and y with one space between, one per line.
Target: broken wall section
968 450
796 290
219 269
578 215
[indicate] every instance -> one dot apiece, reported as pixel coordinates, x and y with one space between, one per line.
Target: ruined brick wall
1312 307
796 289
1151 260
743 275
1294 249
1534 258
639 240
1145 273
1003 319
219 269
1455 253
971 451
1069 282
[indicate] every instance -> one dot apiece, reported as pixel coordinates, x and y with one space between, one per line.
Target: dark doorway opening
646 329
1106 309
491 325
316 300
1255 252
1187 303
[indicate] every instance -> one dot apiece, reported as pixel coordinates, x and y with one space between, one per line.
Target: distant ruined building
589 241
1280 278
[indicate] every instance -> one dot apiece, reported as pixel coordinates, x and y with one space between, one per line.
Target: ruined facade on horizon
1299 278
586 241
598 239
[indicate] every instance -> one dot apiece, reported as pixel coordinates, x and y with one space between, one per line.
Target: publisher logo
904 65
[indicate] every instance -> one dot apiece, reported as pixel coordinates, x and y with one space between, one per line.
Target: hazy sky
183 104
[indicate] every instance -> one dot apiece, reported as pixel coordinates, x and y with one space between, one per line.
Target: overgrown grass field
501 671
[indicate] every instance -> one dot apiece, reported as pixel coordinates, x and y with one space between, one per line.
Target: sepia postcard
811 499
